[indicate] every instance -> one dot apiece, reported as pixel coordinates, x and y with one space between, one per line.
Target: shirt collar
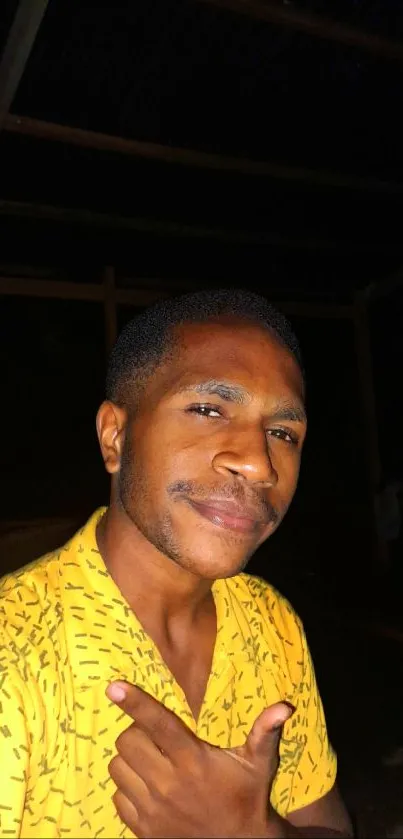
105 640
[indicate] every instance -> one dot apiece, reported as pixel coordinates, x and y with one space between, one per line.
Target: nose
248 458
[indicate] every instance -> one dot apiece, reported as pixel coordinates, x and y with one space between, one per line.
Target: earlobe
111 426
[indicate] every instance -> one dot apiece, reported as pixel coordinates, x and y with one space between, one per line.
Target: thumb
261 746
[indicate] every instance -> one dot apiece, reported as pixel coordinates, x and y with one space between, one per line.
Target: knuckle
121 741
113 767
199 760
164 789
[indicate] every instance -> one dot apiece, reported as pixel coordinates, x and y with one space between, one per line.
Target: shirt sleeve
14 749
308 764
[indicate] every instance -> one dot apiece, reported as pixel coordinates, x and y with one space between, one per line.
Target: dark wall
386 319
52 357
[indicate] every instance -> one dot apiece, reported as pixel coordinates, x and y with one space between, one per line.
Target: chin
219 573
218 554
216 568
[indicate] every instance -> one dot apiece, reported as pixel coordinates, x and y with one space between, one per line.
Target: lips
229 514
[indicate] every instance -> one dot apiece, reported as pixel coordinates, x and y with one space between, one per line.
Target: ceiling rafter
194 158
286 15
165 227
20 41
28 287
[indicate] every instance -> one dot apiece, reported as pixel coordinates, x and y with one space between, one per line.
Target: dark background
298 105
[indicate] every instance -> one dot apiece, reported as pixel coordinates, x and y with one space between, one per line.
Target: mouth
229 515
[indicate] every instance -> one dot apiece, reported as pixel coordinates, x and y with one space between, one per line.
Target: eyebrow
225 390
283 411
289 412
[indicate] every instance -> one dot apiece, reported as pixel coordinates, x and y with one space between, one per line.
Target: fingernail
279 723
116 691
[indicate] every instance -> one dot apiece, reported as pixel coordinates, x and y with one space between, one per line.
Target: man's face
210 462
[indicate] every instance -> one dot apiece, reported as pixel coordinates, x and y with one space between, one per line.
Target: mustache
235 492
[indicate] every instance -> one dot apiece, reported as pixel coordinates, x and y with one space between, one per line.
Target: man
146 615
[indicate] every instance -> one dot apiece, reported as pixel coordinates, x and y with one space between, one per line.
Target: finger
126 811
163 727
139 752
261 747
128 781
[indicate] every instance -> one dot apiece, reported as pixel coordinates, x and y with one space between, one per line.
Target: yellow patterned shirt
66 632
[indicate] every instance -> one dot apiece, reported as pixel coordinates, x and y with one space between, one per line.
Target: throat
179 617
192 672
187 650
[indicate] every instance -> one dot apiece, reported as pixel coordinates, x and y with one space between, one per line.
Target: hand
172 784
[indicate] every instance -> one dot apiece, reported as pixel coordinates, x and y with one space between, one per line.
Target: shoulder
35 599
30 586
38 584
30 614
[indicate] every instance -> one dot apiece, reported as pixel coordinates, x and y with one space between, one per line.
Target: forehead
232 349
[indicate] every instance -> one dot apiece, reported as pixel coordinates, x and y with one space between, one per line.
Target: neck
144 575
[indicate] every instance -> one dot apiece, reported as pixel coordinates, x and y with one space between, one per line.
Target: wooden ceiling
205 137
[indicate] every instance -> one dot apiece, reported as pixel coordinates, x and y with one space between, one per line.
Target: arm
14 751
325 818
306 776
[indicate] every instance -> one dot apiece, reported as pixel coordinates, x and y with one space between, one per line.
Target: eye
284 434
209 411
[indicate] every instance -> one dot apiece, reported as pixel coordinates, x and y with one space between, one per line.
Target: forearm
282 829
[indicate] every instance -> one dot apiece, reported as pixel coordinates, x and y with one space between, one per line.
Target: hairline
173 342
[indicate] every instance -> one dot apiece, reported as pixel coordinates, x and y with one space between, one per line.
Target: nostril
238 475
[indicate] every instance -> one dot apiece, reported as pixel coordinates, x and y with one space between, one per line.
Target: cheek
174 452
287 466
160 460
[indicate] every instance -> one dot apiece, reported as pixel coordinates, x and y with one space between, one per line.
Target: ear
111 427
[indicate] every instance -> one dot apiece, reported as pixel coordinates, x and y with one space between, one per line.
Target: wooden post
370 423
110 309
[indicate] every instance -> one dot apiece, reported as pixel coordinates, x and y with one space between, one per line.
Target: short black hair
147 339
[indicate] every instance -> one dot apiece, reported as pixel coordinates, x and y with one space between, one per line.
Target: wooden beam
110 310
26 287
292 309
23 287
90 292
314 25
383 288
16 52
105 221
193 158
